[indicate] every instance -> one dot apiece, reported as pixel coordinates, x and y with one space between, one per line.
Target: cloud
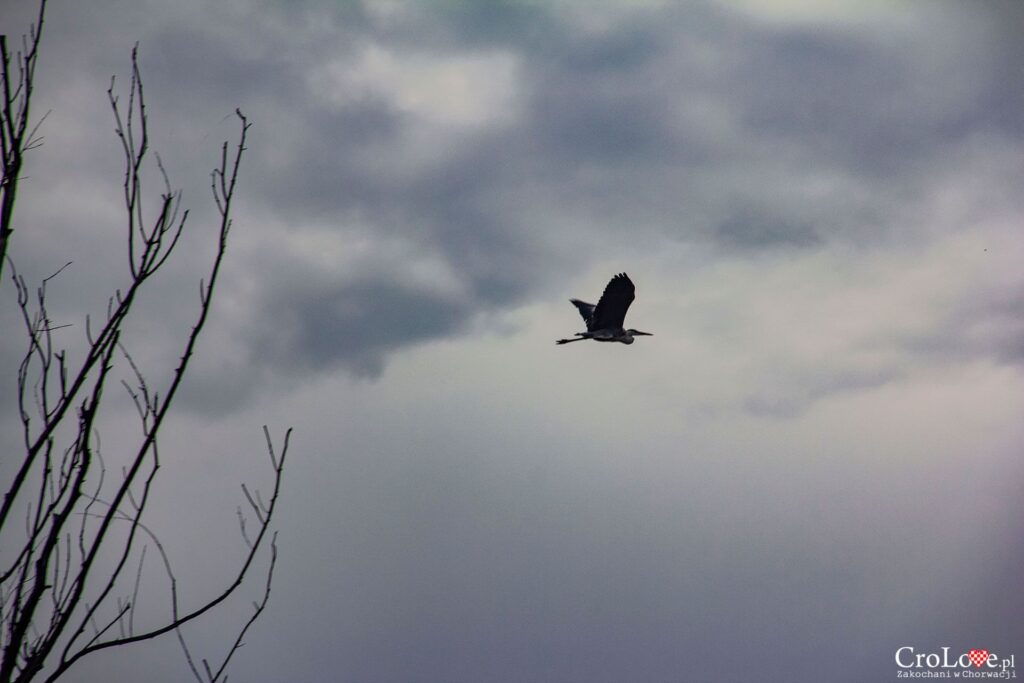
563 135
355 324
502 148
463 90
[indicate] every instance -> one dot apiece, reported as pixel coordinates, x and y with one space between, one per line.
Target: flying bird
604 321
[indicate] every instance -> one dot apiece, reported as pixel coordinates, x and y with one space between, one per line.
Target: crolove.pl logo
973 663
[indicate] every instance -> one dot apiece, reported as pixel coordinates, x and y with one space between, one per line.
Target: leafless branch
17 134
75 577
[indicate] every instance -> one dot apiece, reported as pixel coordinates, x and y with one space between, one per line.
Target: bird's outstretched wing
610 311
585 309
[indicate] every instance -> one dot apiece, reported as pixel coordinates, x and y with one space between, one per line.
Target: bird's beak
646 334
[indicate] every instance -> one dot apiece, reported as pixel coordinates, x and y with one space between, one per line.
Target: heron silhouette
604 321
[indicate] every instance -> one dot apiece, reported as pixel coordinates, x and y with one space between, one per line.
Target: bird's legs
580 336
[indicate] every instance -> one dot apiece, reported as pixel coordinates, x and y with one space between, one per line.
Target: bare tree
16 137
71 532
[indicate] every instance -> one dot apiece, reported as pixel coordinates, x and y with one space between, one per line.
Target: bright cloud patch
463 89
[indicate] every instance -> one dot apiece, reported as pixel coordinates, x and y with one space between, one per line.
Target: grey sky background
814 461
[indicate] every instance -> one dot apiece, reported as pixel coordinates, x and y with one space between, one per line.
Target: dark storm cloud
840 99
600 138
690 123
353 323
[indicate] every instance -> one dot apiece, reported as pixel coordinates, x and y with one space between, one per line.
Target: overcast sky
814 461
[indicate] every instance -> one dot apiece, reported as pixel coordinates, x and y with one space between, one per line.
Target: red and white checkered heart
978 657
